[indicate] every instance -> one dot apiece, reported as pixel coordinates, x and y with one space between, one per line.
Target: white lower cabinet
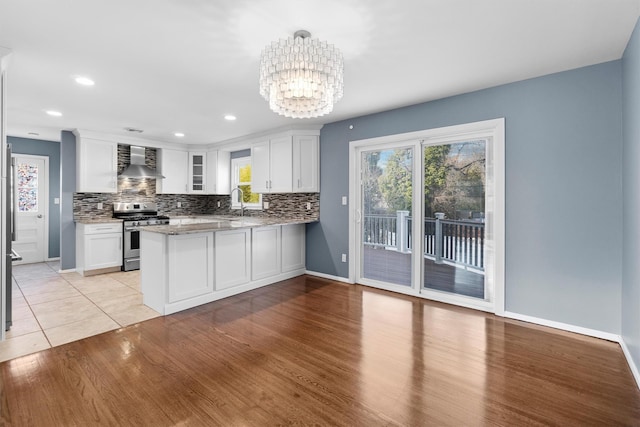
293 247
233 258
190 264
180 271
98 246
265 252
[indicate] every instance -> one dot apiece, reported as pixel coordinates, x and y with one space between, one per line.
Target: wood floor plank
309 351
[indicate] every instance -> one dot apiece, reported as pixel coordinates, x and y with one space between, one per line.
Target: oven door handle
132 229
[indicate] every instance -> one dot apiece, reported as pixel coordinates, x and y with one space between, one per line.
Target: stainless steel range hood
137 168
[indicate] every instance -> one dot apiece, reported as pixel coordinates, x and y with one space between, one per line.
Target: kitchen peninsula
198 260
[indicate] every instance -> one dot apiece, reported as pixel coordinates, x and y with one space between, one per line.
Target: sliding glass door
454 200
386 201
429 216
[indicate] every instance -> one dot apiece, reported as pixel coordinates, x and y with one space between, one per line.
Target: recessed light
84 81
179 134
230 117
54 113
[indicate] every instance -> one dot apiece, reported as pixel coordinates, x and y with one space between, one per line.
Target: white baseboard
71 270
329 276
53 259
632 365
564 326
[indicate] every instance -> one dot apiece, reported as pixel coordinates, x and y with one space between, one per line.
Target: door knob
40 216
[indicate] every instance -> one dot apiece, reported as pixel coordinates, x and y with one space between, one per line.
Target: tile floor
51 309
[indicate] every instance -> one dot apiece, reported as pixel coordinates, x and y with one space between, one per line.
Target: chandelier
301 77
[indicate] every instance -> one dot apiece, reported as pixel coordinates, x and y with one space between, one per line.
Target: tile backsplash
85 205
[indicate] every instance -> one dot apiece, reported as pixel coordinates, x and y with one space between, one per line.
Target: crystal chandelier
301 77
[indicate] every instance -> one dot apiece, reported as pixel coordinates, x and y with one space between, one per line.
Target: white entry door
31 194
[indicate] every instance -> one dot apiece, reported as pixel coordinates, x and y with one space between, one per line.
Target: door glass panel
454 212
27 186
387 193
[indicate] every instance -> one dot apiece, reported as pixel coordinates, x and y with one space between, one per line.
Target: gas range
144 220
136 215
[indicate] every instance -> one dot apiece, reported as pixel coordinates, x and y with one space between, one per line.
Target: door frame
45 199
494 129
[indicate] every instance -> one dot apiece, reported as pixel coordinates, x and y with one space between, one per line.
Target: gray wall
631 191
50 149
67 188
563 189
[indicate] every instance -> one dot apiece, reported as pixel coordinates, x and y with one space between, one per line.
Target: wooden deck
395 267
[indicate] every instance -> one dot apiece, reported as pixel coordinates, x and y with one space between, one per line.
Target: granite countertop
203 224
97 220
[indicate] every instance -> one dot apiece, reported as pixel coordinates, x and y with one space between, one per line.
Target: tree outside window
241 177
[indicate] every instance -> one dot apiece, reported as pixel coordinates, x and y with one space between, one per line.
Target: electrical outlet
344 200
179 204
100 206
265 205
344 257
218 203
308 206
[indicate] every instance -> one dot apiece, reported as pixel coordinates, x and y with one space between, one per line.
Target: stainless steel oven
131 253
136 216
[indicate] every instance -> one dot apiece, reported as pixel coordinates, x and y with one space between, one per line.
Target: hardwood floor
312 351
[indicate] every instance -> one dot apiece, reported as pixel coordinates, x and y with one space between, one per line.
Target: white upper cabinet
287 164
194 172
271 166
96 166
197 172
260 167
174 165
218 172
306 164
280 164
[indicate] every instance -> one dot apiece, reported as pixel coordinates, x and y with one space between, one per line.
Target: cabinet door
102 250
265 252
197 172
306 164
218 172
97 166
260 167
233 258
190 265
293 247
280 162
174 166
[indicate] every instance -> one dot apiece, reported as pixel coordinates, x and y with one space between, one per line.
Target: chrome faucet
241 194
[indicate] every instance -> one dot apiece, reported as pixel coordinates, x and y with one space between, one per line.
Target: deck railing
461 242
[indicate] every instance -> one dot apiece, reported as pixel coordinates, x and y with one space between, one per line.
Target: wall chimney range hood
137 168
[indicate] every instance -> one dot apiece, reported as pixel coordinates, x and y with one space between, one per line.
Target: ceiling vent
134 130
137 168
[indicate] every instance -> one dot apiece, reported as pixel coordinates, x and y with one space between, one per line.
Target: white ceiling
175 65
